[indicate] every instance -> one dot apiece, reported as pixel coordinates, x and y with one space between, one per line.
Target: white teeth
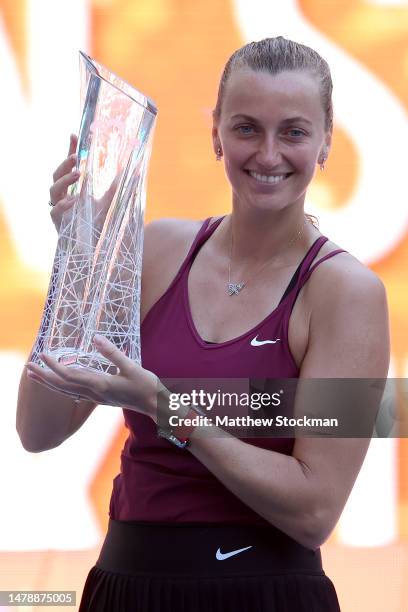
267 179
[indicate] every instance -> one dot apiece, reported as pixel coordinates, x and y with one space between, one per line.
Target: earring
219 154
323 159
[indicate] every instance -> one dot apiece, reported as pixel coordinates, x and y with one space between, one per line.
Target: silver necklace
235 288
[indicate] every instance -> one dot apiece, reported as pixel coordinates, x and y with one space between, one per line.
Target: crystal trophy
96 277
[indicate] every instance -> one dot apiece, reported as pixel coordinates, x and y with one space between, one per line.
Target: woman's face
270 126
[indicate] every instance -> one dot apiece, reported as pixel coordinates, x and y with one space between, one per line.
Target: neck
258 238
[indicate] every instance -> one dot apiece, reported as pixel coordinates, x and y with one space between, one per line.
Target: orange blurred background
55 506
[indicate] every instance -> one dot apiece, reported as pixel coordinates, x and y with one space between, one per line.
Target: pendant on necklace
235 288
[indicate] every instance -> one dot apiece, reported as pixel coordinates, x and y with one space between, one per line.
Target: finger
82 381
46 374
79 394
72 376
62 206
79 384
109 350
65 167
59 189
41 381
49 378
73 141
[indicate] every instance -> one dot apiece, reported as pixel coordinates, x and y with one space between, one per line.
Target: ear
215 138
327 142
325 148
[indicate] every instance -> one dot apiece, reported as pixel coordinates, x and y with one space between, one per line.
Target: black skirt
197 567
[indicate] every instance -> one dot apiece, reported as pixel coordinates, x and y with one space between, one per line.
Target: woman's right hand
65 175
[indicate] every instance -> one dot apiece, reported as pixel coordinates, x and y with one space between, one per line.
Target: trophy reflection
96 278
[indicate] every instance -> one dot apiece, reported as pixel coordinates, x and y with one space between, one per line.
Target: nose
269 155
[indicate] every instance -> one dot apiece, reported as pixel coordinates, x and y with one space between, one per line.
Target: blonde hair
275 55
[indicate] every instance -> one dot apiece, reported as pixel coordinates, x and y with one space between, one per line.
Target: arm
46 418
349 338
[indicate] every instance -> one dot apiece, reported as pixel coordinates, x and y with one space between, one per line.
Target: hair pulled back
275 55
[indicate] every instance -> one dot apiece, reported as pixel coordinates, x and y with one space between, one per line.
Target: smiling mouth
268 180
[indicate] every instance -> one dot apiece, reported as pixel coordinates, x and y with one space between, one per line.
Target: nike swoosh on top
256 342
221 556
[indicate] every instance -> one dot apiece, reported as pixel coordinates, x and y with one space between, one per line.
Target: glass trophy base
78 359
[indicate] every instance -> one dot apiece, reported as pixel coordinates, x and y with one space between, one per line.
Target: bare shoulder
341 293
167 241
170 238
166 244
161 233
342 274
348 319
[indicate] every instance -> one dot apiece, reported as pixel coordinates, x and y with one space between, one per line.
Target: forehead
259 93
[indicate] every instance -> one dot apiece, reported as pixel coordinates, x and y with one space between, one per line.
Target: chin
262 204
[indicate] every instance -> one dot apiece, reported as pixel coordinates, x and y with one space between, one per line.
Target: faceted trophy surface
95 281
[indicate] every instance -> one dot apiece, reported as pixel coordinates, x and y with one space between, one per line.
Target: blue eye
244 128
299 131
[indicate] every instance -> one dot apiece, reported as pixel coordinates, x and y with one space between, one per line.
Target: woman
227 523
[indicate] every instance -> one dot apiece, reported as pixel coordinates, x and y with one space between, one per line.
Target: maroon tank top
159 482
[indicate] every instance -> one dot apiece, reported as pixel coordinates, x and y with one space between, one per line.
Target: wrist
182 425
186 422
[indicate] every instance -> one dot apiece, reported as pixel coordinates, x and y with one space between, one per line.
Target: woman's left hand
133 387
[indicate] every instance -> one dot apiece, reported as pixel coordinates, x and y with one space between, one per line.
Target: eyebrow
284 122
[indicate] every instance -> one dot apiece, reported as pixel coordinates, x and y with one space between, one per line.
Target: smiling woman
201 519
276 141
